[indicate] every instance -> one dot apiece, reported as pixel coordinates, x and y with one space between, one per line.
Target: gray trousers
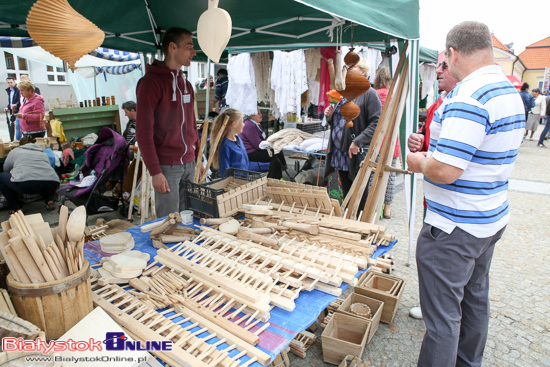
453 276
172 201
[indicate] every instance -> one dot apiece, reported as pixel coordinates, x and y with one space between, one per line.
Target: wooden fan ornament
214 30
62 31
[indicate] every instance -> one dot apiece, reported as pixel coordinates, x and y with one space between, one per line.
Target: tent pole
411 126
207 104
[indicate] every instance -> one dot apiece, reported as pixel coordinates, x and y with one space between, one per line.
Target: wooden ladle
76 225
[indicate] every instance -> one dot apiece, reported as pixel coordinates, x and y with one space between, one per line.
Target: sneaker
541 146
416 313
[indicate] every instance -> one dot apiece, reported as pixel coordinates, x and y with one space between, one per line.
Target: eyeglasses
443 65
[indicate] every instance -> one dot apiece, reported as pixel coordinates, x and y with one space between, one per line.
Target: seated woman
31 113
252 135
231 152
27 170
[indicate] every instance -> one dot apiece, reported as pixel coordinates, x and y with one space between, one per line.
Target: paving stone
519 326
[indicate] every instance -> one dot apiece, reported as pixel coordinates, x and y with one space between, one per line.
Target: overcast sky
521 22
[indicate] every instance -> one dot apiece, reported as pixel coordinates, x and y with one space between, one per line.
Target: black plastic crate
310 127
201 199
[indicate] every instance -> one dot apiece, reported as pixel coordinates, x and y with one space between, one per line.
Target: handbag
360 157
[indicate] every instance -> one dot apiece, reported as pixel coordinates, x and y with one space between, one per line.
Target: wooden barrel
54 307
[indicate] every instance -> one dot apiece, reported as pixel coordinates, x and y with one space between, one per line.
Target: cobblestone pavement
519 331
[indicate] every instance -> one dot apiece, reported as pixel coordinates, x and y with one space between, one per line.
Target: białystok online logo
114 341
118 341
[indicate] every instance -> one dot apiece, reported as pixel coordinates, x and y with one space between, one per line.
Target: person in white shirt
474 139
536 114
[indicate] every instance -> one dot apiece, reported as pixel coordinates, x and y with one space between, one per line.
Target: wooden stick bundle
28 257
213 148
204 137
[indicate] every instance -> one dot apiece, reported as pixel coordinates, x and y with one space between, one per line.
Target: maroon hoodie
166 128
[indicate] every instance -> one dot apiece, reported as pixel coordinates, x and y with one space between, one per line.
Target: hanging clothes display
324 87
313 64
373 58
241 90
428 77
262 71
289 80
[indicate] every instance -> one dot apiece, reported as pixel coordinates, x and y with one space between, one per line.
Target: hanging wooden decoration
356 85
214 30
62 31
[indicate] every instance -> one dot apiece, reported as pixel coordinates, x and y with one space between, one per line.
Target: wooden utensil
76 225
63 216
214 30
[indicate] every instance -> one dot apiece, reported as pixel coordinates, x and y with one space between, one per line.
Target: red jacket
425 129
166 127
383 93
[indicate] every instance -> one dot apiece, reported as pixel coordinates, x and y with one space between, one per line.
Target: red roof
542 43
536 58
537 55
498 44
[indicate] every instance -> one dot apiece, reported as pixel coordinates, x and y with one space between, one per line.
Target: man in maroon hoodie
166 128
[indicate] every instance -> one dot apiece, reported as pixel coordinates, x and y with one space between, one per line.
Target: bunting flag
114 55
117 70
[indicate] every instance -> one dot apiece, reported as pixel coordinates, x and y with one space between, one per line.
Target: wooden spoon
63 216
76 225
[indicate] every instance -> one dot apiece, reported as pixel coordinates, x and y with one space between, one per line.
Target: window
57 75
16 66
10 65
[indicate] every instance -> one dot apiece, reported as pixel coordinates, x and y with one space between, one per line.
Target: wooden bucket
54 307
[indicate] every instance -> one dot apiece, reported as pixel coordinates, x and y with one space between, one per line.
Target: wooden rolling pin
160 229
302 227
214 221
259 230
258 238
258 223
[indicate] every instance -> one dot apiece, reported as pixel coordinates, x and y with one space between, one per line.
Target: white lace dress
288 80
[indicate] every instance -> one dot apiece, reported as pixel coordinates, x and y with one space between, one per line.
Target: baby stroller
108 157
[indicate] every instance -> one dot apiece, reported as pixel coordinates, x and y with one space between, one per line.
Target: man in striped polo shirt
475 137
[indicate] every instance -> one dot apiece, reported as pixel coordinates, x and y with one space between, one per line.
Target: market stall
275 24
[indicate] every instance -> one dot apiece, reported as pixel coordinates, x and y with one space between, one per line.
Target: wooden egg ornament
351 58
356 85
350 111
214 30
62 31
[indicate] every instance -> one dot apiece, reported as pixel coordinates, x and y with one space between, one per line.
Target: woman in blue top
231 153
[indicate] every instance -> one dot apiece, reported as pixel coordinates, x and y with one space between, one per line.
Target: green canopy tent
137 26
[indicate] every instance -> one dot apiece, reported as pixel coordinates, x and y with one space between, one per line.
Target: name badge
186 98
263 135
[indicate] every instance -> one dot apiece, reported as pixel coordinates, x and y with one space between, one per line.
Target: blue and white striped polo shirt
479 129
